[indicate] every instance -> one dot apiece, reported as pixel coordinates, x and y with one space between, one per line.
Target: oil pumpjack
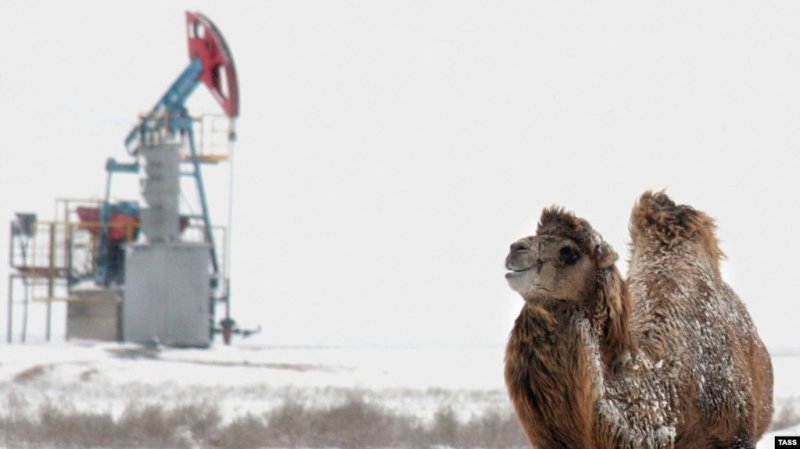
149 282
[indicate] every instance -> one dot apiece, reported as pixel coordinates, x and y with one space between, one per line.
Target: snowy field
252 380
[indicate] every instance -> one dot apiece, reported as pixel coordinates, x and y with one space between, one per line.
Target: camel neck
550 375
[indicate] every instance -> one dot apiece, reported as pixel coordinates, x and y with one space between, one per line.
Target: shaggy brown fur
668 360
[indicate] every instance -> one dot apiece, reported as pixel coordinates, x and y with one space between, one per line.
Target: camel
668 358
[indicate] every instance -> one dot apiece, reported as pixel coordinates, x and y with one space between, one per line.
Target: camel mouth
516 272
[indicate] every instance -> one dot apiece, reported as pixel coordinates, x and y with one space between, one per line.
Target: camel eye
569 255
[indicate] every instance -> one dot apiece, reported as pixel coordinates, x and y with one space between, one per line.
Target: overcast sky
389 152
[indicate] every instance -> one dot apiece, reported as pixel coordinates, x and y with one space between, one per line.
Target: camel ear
605 255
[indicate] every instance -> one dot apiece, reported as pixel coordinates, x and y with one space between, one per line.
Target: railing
54 256
214 134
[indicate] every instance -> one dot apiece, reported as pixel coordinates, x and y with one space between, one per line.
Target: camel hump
657 218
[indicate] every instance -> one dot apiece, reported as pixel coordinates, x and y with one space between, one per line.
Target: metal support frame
112 166
198 175
51 283
10 311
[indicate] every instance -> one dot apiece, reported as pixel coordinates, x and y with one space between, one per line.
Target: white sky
389 152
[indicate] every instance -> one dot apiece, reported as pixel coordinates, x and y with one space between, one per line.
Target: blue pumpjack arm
172 102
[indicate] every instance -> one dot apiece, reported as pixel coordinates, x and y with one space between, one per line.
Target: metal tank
167 281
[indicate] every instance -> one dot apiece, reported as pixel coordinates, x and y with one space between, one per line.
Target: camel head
568 263
563 261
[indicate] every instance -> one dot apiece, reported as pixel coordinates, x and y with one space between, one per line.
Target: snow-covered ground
253 379
786 388
768 441
249 378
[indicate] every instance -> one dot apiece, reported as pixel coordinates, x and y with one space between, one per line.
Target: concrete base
94 315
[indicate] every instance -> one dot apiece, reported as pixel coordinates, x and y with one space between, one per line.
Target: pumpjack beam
210 63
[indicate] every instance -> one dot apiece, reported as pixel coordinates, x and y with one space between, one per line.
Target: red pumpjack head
219 73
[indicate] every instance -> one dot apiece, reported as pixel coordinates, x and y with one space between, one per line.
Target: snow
252 378
768 441
367 367
787 375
